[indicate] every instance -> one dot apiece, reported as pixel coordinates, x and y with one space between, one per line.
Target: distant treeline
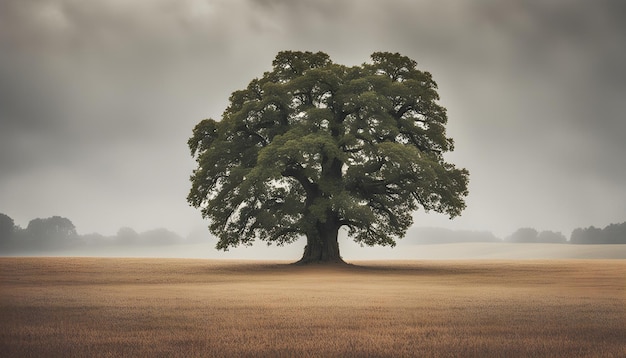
531 235
59 233
611 234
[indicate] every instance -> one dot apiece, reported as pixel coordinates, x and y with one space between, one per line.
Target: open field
182 307
352 251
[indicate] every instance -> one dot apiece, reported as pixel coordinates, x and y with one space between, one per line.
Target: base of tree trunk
322 245
334 261
321 253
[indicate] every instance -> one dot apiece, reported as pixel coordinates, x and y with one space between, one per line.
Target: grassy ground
176 307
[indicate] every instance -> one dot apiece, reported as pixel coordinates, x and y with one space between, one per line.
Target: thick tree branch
296 171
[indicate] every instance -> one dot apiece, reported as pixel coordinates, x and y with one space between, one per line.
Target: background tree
7 229
590 235
614 234
314 146
51 233
554 237
525 234
611 234
127 236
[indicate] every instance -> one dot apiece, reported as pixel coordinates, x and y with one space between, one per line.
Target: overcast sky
98 99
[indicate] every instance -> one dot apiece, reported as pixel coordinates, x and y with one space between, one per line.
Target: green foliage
312 142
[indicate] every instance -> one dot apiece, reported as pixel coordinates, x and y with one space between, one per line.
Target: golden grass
199 308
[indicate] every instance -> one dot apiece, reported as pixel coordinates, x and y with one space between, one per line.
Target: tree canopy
7 229
313 146
55 231
611 234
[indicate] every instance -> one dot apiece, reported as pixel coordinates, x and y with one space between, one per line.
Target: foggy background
98 99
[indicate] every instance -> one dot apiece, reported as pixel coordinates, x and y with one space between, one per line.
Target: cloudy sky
98 98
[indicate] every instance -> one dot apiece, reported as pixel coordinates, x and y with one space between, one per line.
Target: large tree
313 146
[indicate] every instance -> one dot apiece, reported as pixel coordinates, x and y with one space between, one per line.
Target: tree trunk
322 245
321 237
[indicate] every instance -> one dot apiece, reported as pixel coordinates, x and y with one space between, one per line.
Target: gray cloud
97 99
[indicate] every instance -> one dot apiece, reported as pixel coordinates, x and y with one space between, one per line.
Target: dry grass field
208 308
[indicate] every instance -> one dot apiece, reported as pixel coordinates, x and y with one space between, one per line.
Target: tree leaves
312 142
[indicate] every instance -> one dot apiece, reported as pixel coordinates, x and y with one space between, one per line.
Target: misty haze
57 236
98 101
332 178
